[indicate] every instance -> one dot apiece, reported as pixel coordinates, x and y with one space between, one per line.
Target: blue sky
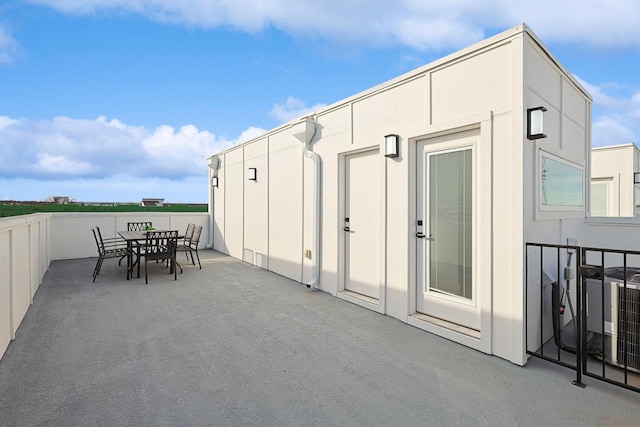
115 100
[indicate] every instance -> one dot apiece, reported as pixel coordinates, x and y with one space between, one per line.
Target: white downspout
214 164
305 131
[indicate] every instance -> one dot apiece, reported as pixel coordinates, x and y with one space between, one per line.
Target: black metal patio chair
110 248
161 246
190 243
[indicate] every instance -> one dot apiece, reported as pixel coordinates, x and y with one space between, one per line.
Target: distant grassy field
25 209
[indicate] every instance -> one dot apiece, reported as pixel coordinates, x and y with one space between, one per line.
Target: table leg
129 259
138 258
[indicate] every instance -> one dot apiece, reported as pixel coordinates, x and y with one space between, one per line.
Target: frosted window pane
450 223
561 183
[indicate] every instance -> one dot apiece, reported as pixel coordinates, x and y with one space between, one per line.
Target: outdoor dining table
134 240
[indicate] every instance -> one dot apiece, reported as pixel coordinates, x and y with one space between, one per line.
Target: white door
446 229
361 224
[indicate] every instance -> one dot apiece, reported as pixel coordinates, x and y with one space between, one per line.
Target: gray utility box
615 317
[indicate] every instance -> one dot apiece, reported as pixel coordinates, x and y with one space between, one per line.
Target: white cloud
62 165
65 148
292 108
611 130
249 134
8 46
616 114
426 26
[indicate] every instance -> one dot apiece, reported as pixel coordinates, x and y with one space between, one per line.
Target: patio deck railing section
585 306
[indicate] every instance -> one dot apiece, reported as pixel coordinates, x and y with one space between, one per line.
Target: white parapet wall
613 233
28 244
25 254
72 236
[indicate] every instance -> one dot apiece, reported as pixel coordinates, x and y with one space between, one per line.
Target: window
561 183
599 199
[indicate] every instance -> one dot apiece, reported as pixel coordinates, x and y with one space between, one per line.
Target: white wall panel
5 295
541 75
256 204
473 84
285 206
573 103
400 107
219 242
34 258
334 129
20 283
44 249
235 174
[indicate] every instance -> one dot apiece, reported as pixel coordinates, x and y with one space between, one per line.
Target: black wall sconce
535 123
253 174
391 145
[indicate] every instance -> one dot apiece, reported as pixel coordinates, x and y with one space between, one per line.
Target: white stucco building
435 236
615 181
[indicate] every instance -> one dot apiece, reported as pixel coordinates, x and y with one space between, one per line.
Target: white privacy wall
485 88
25 253
72 238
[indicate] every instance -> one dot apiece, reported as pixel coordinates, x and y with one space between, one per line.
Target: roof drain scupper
304 132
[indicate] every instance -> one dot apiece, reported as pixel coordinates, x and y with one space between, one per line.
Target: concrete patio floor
235 345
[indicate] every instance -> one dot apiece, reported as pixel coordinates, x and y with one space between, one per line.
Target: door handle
348 230
424 236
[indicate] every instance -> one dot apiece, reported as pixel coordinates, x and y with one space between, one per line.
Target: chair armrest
115 244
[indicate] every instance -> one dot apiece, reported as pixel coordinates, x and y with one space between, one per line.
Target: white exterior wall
567 126
612 168
486 87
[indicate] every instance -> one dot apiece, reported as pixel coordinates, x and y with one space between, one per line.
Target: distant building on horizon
61 200
151 202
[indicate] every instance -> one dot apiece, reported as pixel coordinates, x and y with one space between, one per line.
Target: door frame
484 248
447 302
380 307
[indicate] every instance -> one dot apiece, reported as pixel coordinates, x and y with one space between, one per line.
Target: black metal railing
599 335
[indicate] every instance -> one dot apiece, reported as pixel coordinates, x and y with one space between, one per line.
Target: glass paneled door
446 229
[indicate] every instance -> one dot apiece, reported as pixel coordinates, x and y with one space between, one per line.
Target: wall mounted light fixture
214 181
253 174
391 143
636 178
535 123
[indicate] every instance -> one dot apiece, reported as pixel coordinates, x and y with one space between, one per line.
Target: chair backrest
138 226
189 233
161 242
99 239
195 237
99 244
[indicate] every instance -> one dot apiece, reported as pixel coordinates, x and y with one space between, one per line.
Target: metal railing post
581 335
